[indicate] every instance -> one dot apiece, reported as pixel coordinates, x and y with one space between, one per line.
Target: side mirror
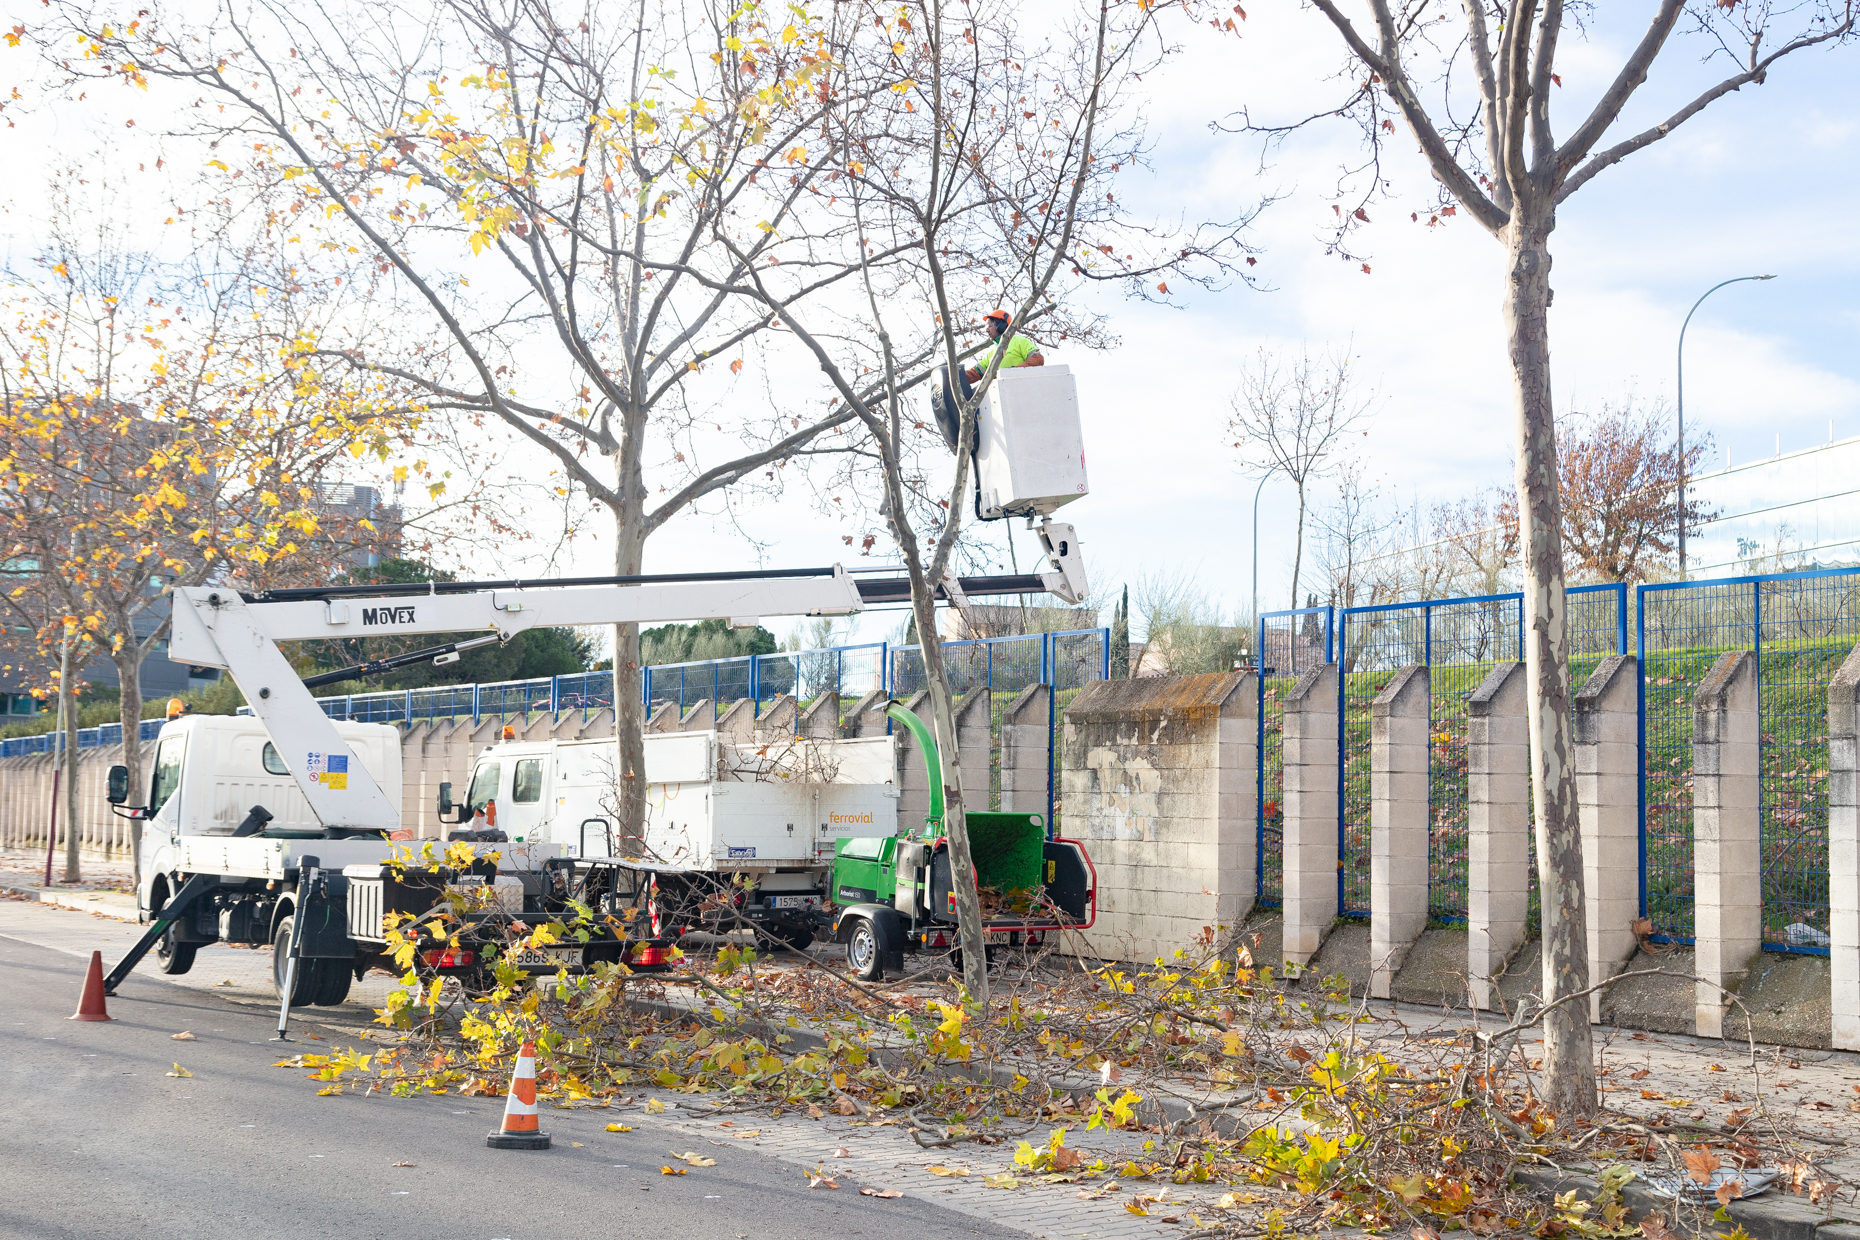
119 785
445 799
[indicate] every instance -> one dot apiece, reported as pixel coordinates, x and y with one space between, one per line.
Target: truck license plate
547 957
794 901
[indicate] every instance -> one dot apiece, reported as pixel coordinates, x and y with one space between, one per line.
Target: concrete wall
1158 781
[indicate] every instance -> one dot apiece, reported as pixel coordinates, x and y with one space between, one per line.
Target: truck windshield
484 786
167 773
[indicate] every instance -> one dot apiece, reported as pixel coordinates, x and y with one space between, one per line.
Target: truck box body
711 804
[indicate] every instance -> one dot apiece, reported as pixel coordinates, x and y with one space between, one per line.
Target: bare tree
1292 410
571 198
1487 138
1356 566
984 164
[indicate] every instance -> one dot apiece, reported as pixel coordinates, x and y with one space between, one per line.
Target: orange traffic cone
90 1007
519 1130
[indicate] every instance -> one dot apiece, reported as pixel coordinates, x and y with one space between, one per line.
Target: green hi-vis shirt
1019 349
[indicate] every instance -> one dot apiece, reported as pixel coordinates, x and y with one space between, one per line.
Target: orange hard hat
1003 315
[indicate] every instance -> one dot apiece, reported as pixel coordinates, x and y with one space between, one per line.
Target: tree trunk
67 702
1298 545
955 821
128 660
1569 1086
629 705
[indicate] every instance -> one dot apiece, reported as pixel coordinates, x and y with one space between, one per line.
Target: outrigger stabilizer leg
174 910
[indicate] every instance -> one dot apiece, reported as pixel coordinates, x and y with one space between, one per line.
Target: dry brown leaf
1654 1094
1653 1227
821 1181
846 1106
1700 1164
814 1112
1642 1075
841 1152
183 1036
886 1193
1729 1191
401 1164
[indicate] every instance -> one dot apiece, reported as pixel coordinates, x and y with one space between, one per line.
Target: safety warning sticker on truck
330 770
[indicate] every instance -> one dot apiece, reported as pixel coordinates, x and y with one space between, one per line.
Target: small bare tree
1290 412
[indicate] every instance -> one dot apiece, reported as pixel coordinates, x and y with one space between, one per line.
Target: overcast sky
1763 181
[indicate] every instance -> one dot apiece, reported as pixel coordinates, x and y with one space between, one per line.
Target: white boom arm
216 627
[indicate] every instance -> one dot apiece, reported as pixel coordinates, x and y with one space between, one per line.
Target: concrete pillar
913 781
821 721
1310 804
1398 823
738 720
1498 827
1727 898
975 746
1027 751
867 716
1237 810
1844 850
664 718
1607 732
702 717
780 717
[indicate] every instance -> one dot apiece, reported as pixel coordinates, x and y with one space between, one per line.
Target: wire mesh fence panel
586 692
733 681
1807 627
1291 643
441 704
1015 663
1684 627
776 675
1373 644
1465 640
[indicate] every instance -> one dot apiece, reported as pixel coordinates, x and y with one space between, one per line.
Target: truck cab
206 772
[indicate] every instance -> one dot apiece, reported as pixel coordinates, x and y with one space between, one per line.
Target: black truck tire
799 938
172 957
332 981
304 985
862 952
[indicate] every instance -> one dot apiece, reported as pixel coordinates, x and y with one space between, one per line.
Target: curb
1773 1215
108 903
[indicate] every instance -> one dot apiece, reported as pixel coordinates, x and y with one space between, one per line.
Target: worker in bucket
1020 351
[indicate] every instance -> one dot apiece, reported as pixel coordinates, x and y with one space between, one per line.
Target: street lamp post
1681 514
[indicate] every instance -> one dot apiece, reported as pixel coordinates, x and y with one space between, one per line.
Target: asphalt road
100 1143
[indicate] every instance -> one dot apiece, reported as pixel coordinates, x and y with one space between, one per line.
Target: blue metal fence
1801 627
1459 641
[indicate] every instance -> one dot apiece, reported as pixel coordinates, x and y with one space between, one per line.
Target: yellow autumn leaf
180 1071
619 1128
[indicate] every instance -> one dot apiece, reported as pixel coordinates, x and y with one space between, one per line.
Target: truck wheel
332 981
800 938
862 952
174 958
304 988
